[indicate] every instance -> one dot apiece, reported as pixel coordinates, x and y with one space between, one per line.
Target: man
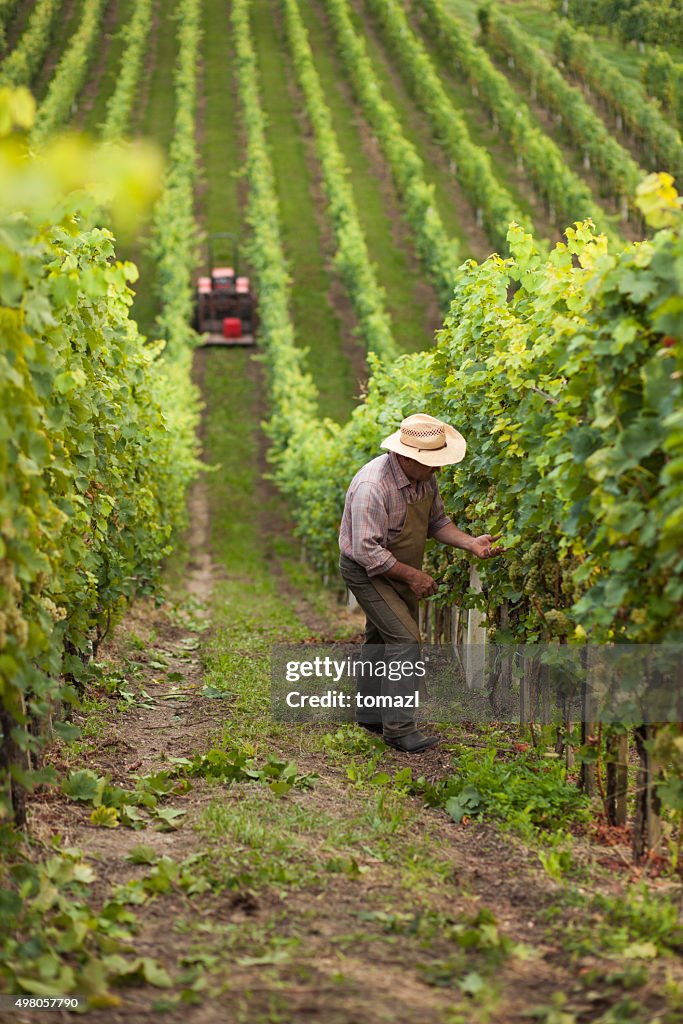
392 505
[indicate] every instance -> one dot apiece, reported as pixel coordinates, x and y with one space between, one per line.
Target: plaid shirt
375 512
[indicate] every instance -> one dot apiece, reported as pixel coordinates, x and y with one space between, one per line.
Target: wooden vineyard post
438 625
524 693
502 684
424 621
455 625
617 779
544 695
588 725
12 754
475 653
647 827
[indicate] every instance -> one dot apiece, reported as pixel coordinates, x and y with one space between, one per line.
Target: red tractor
225 308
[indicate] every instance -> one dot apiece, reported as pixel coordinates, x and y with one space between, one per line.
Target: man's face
415 471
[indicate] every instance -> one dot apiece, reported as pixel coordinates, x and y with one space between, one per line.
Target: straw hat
427 440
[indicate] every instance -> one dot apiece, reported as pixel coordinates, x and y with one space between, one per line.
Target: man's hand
483 547
422 584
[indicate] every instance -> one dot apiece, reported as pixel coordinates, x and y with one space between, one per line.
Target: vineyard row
352 258
439 253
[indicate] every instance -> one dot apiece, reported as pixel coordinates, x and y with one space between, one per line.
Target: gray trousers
387 641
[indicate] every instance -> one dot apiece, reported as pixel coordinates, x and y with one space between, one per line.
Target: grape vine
7 12
626 99
70 73
120 104
662 78
99 427
571 395
293 394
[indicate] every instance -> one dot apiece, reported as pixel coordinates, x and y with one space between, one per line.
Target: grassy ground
320 314
220 207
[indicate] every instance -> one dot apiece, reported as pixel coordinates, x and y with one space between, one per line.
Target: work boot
412 743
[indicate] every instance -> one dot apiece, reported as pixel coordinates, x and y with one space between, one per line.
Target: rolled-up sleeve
437 517
369 530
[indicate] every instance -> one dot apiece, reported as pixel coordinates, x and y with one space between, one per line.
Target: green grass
377 203
316 323
95 116
155 122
